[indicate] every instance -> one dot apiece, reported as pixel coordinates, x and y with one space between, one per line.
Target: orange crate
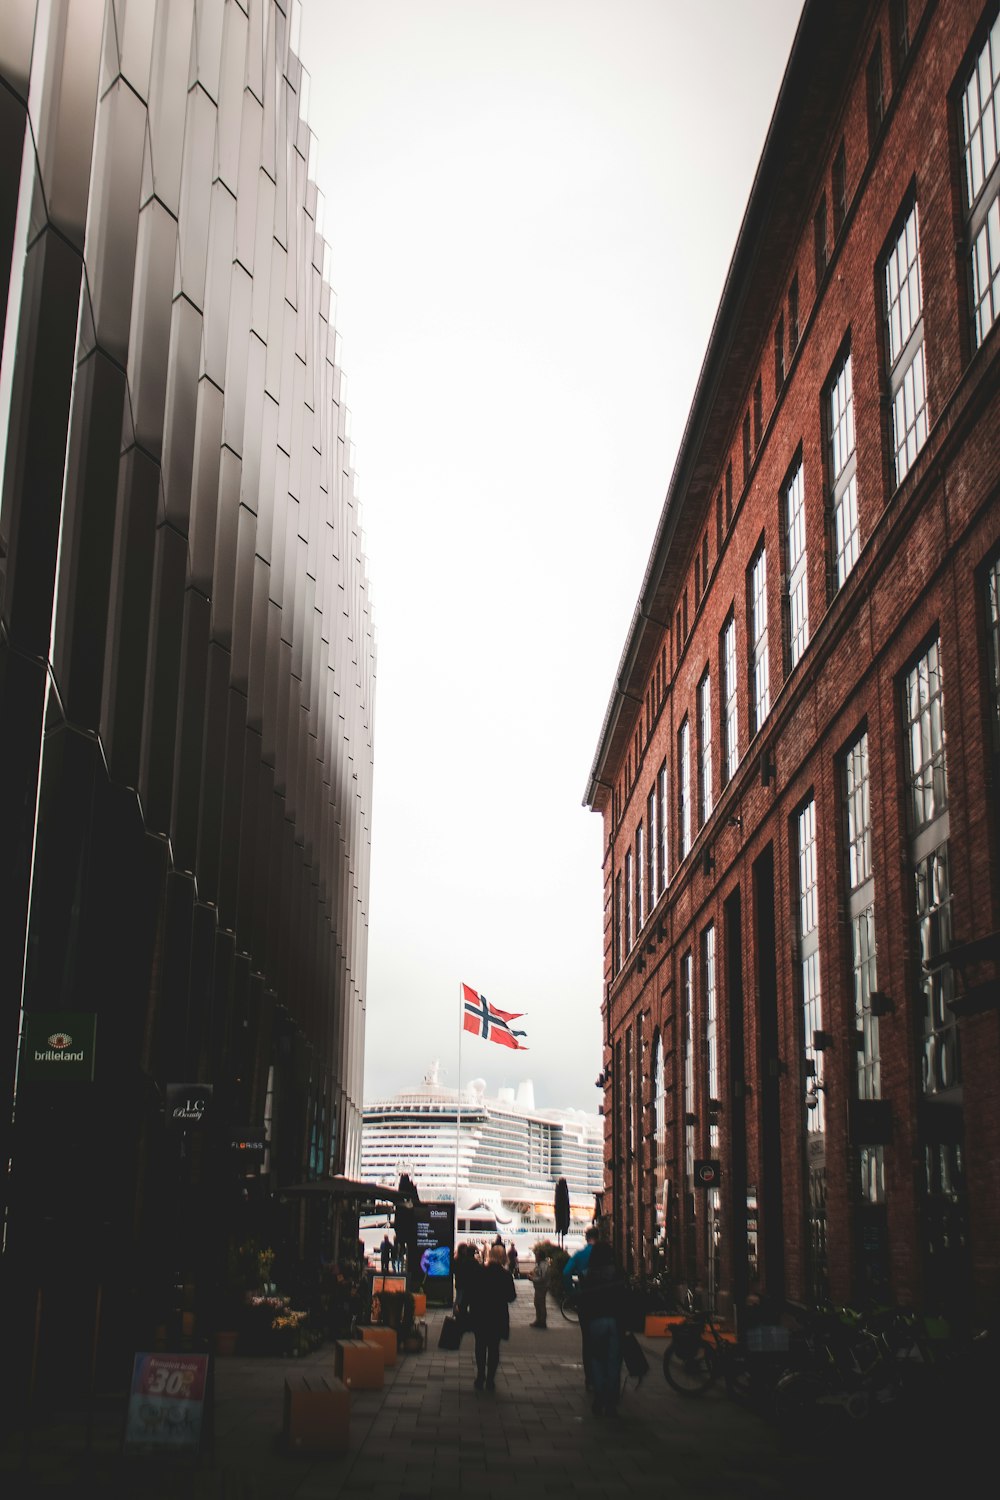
658 1325
385 1338
317 1414
419 1304
360 1365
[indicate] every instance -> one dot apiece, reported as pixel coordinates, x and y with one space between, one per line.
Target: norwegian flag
484 1020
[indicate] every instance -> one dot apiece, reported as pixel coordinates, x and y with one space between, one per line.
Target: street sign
707 1174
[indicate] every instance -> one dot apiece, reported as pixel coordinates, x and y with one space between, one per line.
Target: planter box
317 1414
360 1365
386 1340
658 1325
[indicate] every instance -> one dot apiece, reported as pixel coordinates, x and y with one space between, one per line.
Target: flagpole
458 1095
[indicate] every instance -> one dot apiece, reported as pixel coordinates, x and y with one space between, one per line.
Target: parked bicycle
700 1353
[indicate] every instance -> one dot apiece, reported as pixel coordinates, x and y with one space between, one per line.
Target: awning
343 1188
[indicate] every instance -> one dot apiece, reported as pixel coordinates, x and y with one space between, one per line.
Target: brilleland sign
59 1044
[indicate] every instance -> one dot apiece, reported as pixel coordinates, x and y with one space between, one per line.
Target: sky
531 207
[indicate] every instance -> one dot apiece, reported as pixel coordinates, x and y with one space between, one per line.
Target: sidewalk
428 1435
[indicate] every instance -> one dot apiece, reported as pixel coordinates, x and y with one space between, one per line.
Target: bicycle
566 1301
690 1362
750 1369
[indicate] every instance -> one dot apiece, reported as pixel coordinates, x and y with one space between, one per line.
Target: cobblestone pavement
428 1435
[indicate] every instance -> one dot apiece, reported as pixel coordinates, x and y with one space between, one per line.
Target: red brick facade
847 871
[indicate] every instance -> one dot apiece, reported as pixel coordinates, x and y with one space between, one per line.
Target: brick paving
428 1435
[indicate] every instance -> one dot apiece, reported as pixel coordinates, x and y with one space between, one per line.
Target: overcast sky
531 205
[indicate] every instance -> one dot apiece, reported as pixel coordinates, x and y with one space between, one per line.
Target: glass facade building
187 662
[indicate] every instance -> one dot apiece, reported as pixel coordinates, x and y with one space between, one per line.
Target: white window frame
730 699
684 788
760 672
904 345
979 128
663 823
798 578
808 958
705 789
843 470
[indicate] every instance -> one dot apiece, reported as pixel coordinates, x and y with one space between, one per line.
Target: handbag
450 1336
636 1362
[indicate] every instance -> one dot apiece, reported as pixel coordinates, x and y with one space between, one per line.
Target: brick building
797 767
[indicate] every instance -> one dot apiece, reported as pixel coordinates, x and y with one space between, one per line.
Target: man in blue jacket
573 1270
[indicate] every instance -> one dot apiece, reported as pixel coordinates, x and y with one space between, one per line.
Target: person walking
603 1303
385 1253
467 1270
512 1260
490 1295
540 1285
573 1272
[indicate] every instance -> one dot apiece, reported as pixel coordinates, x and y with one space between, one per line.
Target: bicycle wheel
692 1372
569 1309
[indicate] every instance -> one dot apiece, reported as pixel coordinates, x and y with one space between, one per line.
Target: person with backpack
603 1300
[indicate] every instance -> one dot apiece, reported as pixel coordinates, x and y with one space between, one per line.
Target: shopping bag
636 1362
450 1336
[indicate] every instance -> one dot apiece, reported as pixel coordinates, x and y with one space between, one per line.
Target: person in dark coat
385 1253
490 1295
603 1304
467 1269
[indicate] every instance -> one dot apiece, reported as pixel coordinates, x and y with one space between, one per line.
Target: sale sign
166 1401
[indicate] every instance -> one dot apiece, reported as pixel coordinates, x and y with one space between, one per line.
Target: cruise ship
498 1159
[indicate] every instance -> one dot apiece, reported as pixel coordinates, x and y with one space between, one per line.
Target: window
661 824
819 240
980 130
718 522
760 680
628 901
640 870
758 413
899 35
923 706
746 447
652 844
730 723
705 747
711 1031
811 1001
729 495
904 348
993 625
808 960
779 355
839 190
842 468
798 582
697 577
687 1011
684 788
861 914
793 314
875 85
618 922
704 560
